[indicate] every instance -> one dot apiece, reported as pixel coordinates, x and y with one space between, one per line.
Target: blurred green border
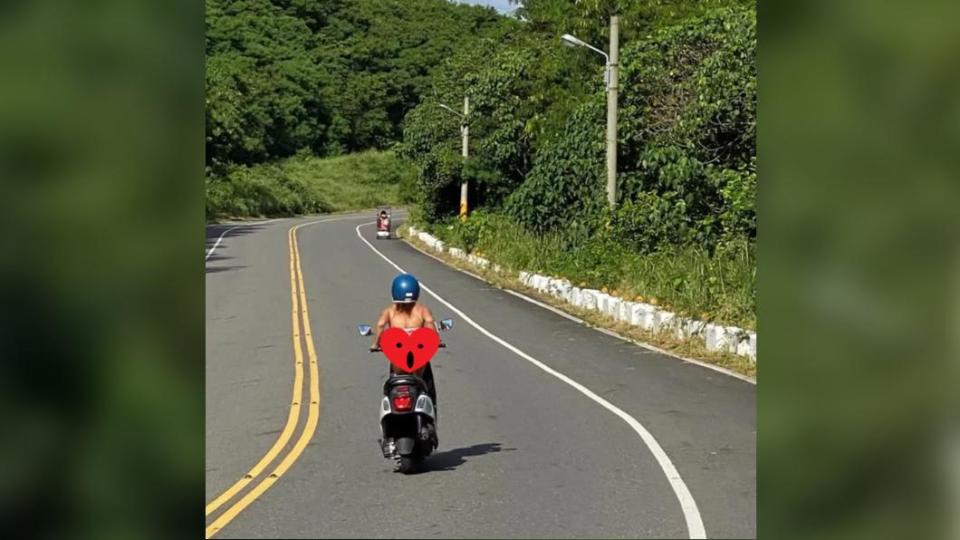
102 335
101 138
858 267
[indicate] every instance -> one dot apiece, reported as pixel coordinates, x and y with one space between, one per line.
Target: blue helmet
405 289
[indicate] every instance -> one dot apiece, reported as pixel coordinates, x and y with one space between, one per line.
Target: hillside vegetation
317 78
685 227
308 185
291 82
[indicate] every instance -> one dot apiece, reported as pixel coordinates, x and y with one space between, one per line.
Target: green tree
687 142
261 84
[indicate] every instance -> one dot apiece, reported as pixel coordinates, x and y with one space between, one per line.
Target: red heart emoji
409 352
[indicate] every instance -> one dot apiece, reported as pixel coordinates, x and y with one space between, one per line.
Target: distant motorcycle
408 422
383 222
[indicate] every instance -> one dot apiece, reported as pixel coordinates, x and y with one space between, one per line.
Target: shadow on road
214 231
451 459
215 269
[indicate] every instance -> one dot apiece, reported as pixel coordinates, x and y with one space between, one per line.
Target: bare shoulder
424 311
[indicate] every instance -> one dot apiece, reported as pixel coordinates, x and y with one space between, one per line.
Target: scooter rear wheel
407 464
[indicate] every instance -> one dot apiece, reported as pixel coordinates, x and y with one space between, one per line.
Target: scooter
408 418
383 224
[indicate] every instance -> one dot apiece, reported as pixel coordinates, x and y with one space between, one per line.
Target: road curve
522 453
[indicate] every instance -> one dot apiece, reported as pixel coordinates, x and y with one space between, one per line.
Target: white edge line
578 320
237 226
688 505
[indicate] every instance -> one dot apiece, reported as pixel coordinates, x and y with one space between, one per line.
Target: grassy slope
719 288
303 185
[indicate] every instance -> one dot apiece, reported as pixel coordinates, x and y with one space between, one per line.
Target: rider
408 314
384 220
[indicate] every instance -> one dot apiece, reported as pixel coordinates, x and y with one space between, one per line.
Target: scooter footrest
387 448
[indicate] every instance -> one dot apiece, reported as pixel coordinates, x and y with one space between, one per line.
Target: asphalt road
523 453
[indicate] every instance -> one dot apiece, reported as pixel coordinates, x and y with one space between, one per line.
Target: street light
610 76
571 41
451 110
465 133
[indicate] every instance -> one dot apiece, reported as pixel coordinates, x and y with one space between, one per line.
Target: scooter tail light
402 401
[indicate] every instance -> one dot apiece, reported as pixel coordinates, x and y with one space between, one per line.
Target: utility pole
613 73
465 131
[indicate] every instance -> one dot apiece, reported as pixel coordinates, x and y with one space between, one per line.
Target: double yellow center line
299 313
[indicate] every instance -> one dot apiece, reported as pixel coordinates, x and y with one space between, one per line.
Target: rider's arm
428 321
381 324
427 317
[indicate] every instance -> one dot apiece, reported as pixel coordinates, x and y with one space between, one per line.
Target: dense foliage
378 57
684 227
687 171
262 83
322 76
519 90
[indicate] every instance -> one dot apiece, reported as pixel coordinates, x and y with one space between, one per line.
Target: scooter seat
404 380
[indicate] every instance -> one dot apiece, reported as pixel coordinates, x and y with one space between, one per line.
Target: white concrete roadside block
626 311
746 345
725 340
540 282
589 298
642 316
563 289
483 262
559 287
734 335
710 337
438 245
664 321
525 278
636 314
552 286
691 328
574 296
457 252
717 338
613 306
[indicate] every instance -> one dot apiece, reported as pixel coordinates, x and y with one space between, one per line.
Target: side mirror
365 330
446 324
